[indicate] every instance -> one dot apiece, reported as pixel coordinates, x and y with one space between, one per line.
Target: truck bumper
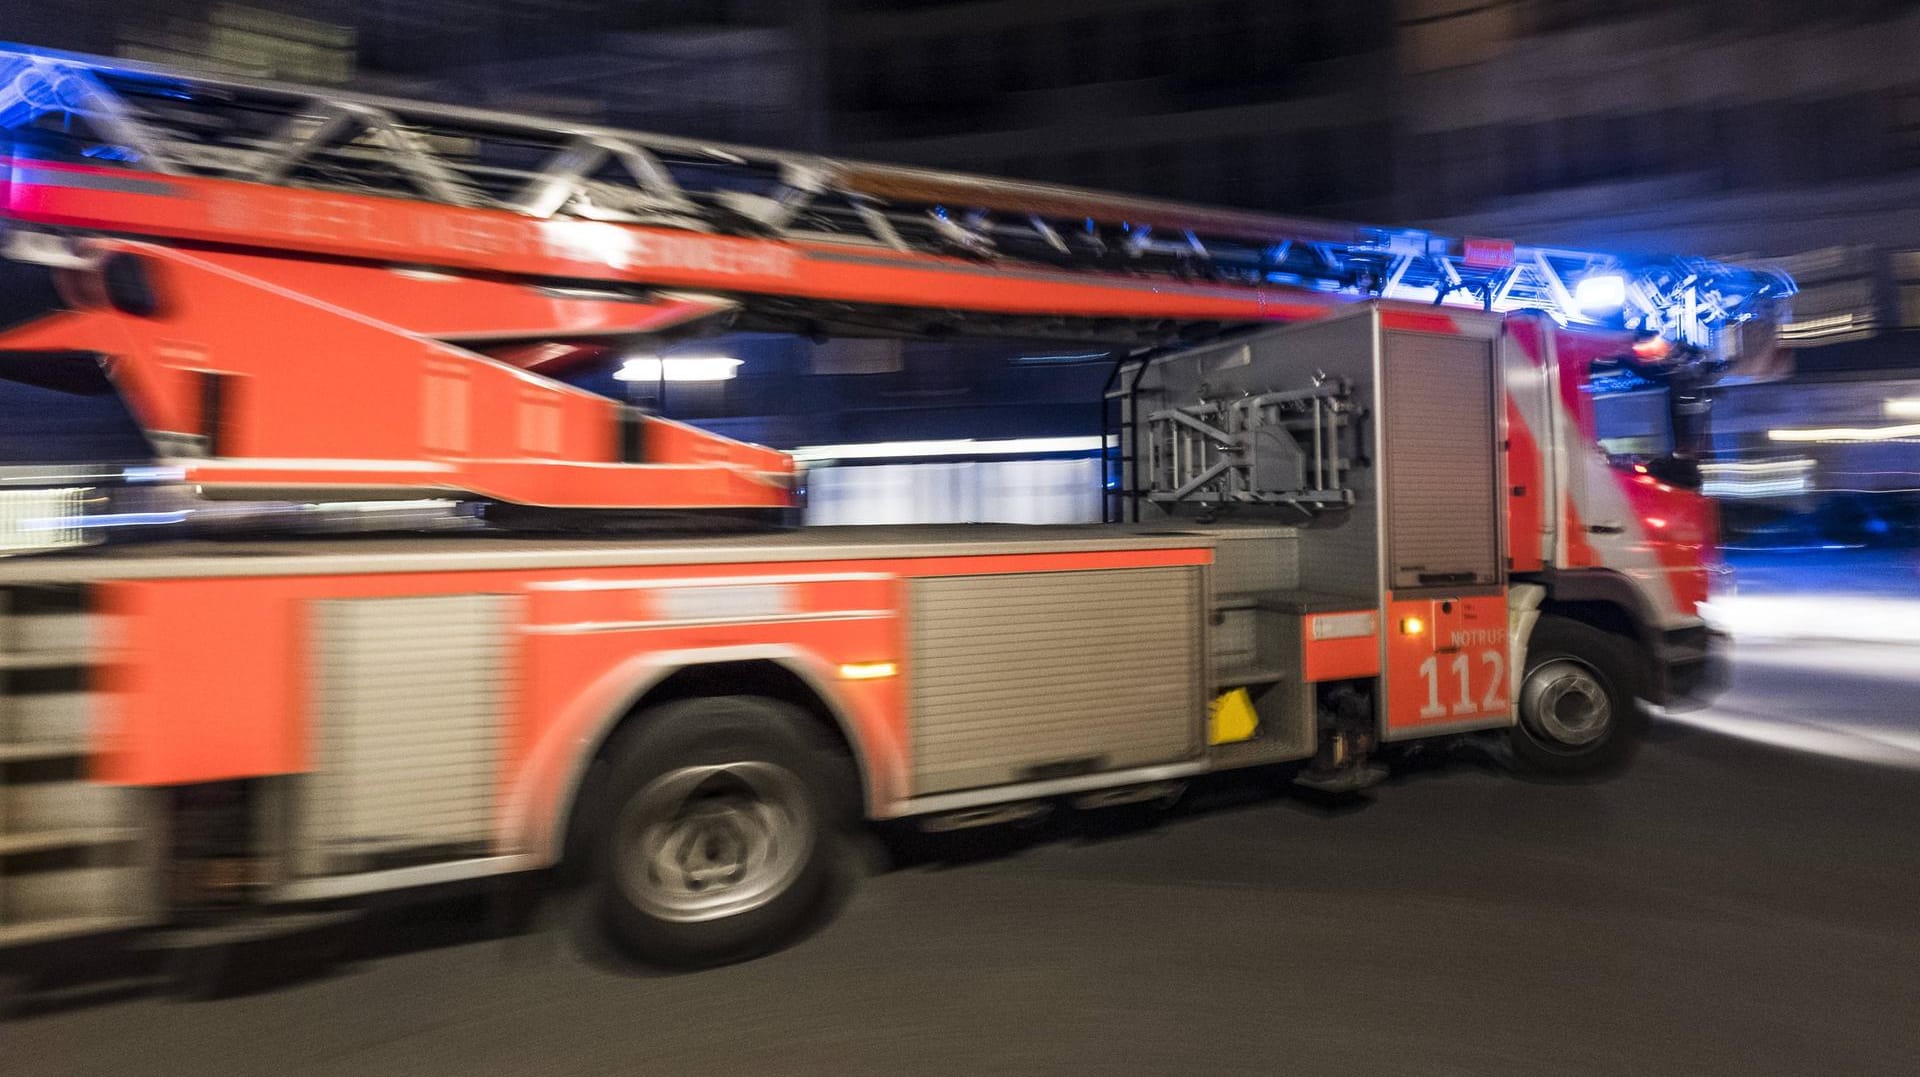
1691 668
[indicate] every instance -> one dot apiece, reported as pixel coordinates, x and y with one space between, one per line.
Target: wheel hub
1564 703
701 843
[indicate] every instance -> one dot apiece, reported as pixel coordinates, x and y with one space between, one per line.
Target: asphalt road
1727 906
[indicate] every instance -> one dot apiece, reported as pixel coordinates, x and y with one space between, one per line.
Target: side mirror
1681 471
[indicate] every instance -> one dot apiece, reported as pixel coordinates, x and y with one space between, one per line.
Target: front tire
719 838
1579 711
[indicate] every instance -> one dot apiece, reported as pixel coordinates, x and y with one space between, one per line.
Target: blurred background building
1768 129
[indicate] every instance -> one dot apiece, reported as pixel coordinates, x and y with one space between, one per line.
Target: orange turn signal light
868 671
1653 348
1412 626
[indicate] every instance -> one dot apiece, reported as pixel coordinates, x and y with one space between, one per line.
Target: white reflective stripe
339 886
1344 625
457 555
707 581
739 602
886 450
570 628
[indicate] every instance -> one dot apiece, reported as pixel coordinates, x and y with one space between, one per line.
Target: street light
654 368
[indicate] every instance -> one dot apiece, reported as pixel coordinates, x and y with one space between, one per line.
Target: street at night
583 538
1723 907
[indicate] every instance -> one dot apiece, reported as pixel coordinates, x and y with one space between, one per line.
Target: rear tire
719 837
1579 711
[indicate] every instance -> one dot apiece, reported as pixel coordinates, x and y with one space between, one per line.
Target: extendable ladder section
170 122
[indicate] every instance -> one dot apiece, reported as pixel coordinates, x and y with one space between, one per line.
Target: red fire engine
1365 485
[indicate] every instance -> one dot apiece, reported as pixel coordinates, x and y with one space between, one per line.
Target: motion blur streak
1828 618
1823 672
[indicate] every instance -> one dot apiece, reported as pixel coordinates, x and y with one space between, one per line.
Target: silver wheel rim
702 843
1565 703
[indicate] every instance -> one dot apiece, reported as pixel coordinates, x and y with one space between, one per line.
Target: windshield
1636 424
1645 421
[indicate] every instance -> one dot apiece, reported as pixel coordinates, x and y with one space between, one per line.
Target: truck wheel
1579 712
719 836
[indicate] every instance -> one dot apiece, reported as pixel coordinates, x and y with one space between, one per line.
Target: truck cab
1609 518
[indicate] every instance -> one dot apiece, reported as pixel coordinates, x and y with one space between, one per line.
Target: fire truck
1366 488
